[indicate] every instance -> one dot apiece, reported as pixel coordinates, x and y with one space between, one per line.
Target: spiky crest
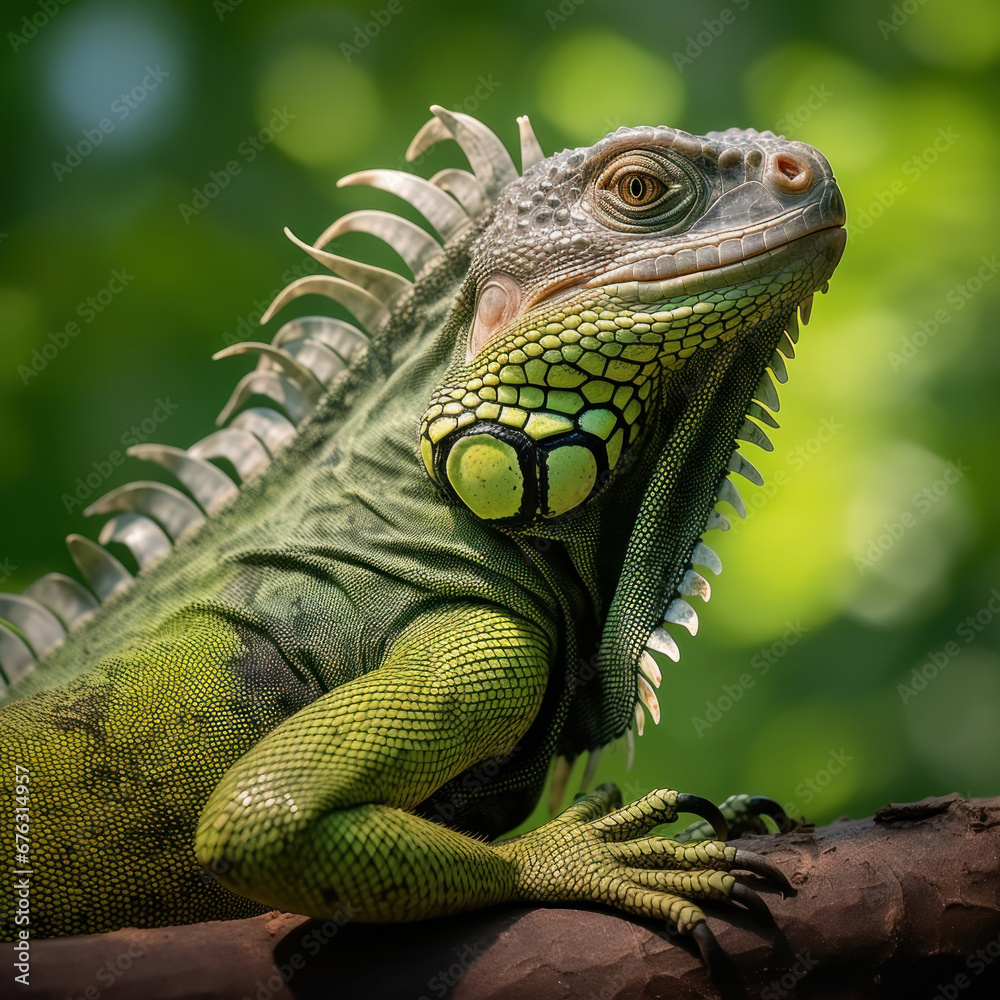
300 363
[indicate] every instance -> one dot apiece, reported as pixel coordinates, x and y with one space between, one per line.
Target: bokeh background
849 656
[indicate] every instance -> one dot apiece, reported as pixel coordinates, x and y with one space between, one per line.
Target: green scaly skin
344 684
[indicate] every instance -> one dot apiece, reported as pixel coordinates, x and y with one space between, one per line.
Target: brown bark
903 904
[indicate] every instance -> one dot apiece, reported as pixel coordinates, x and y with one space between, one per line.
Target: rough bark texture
904 904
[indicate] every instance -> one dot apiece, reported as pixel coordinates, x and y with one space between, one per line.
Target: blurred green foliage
874 545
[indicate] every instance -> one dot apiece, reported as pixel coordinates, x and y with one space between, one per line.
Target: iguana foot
744 815
600 851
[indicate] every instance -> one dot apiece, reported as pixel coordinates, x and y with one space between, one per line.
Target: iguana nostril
790 173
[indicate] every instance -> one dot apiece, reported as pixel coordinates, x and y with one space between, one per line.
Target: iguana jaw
538 423
668 275
632 283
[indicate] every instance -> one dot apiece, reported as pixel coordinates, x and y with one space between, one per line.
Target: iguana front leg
317 817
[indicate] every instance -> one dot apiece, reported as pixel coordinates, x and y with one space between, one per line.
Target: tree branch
904 904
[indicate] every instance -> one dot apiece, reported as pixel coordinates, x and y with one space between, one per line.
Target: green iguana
333 686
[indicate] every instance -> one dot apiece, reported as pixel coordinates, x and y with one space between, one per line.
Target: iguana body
343 680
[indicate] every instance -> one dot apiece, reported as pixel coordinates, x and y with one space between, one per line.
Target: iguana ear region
497 303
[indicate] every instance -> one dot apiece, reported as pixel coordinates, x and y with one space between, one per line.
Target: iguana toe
744 894
708 811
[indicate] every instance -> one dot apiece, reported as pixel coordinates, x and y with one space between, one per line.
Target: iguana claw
759 865
743 813
761 805
708 811
745 895
719 965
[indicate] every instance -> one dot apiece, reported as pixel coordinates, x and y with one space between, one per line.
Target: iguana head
600 274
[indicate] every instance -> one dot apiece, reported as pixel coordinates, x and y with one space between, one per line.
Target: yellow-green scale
583 366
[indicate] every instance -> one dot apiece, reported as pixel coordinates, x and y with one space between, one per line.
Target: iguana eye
639 189
647 190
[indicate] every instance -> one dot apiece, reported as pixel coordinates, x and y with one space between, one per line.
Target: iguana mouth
674 271
687 278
